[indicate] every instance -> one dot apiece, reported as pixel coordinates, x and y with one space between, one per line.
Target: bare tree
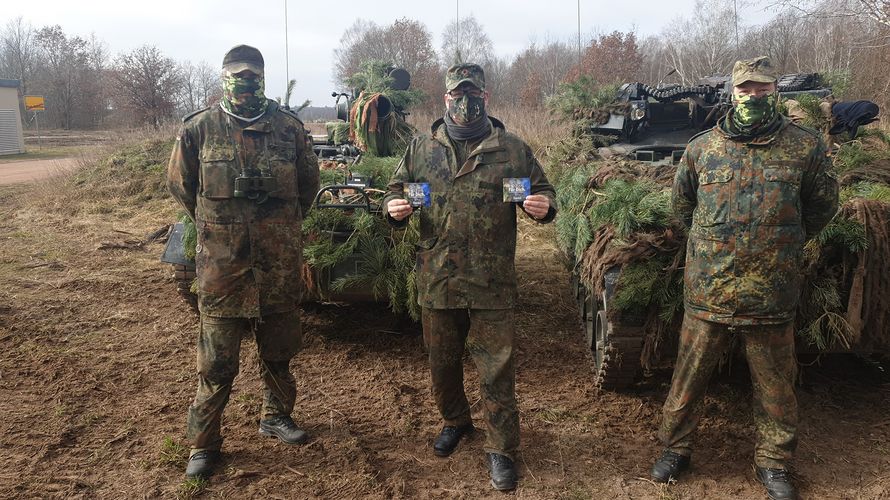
18 52
147 84
466 41
405 43
67 72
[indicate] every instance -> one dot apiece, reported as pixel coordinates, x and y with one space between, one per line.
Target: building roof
4 82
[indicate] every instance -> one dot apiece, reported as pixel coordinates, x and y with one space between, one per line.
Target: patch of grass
190 488
44 153
172 453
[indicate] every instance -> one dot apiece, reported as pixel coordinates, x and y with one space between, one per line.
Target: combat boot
503 472
668 466
449 438
284 428
201 464
777 482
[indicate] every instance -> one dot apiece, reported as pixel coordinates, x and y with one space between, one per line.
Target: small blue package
418 193
516 189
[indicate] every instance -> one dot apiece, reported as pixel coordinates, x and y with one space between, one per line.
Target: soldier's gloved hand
536 205
398 209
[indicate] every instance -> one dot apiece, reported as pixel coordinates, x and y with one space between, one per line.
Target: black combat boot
778 483
201 464
503 472
668 466
284 428
449 437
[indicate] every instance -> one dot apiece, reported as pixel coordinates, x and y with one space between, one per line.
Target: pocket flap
715 176
217 151
781 175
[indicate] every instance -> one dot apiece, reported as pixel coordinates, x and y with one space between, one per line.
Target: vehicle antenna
286 56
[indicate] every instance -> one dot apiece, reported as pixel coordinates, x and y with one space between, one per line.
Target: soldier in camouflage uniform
466 280
752 190
245 172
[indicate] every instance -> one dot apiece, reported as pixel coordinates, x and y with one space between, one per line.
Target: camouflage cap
759 69
464 72
243 57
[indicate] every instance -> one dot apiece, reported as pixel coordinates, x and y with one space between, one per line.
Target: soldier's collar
761 140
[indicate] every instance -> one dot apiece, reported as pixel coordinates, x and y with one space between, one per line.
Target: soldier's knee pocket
219 371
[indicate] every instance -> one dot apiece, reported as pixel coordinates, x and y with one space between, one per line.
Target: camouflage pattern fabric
769 350
244 96
249 254
749 113
464 73
488 336
760 69
750 207
278 339
465 257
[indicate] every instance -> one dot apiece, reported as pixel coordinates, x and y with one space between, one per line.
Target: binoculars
255 188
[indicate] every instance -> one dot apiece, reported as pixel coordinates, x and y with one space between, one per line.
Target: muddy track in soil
98 368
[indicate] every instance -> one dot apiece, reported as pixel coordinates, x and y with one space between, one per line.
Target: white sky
203 30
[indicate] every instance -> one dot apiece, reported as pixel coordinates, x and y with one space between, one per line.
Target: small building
11 139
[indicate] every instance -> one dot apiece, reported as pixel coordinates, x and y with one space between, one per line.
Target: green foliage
857 154
828 326
189 236
172 453
573 231
631 206
866 190
844 233
637 285
839 81
583 93
813 117
338 132
384 256
373 78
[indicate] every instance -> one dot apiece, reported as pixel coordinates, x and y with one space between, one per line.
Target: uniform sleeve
307 172
540 185
182 172
819 192
684 195
395 188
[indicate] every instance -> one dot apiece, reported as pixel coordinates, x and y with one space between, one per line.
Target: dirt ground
98 369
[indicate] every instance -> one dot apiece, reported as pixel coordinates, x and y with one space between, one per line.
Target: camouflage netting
385 256
378 135
616 212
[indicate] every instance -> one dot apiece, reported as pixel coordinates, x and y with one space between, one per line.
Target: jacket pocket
218 171
714 197
283 163
781 196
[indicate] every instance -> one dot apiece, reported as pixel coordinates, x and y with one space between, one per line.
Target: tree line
848 41
87 88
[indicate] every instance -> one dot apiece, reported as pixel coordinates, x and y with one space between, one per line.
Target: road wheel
616 353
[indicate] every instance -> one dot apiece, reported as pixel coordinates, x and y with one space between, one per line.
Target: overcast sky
203 30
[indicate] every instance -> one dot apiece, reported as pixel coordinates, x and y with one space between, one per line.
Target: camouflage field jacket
750 207
466 253
249 254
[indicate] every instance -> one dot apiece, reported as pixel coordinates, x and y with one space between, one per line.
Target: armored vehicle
645 132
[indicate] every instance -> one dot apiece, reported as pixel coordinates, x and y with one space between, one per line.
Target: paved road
29 170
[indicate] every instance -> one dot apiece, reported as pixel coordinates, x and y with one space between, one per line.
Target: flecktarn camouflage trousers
278 338
769 350
488 336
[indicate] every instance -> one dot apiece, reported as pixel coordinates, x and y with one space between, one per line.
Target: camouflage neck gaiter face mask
467 108
244 96
752 114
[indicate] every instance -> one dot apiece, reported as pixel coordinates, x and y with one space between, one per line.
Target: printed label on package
418 193
516 189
